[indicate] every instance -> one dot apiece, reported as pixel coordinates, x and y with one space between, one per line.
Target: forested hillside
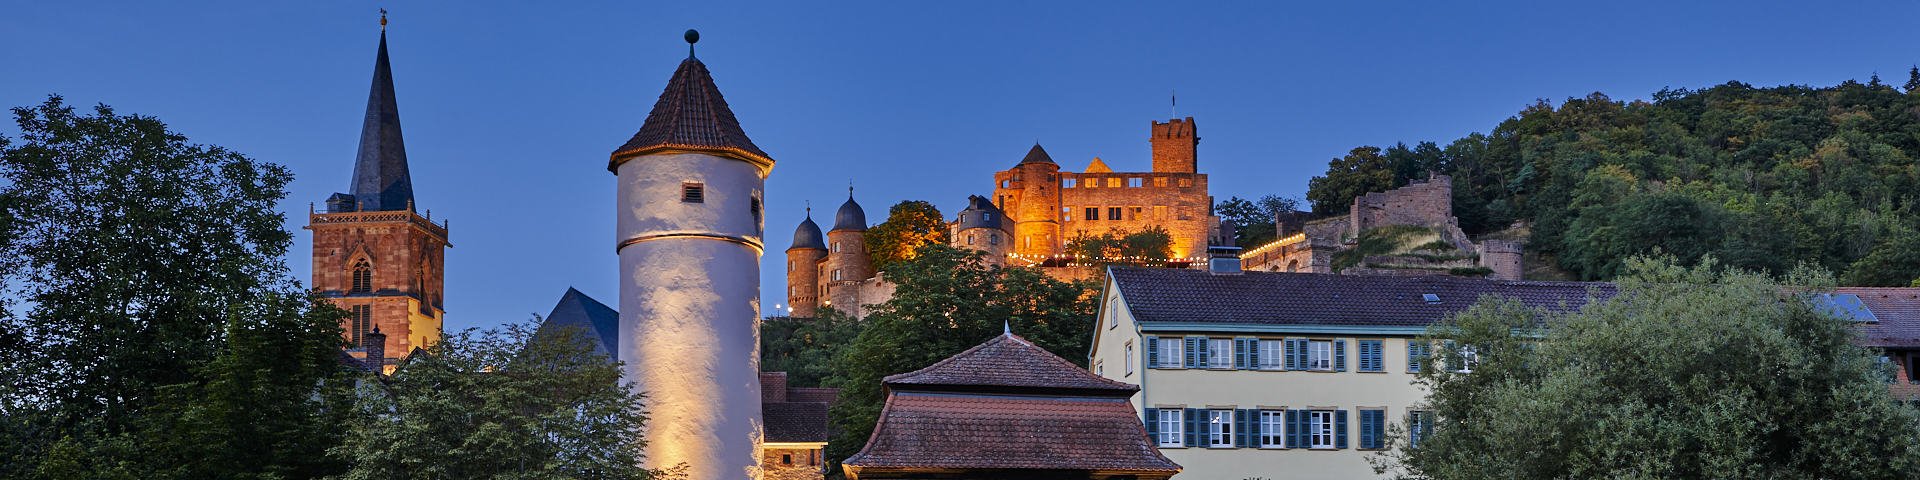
1759 178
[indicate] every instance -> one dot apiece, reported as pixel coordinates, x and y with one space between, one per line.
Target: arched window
362 277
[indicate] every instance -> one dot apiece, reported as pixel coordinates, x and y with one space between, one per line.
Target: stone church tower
373 253
688 233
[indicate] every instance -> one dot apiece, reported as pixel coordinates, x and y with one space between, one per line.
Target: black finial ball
693 36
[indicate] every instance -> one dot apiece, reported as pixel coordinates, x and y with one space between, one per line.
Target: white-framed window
1220 428
836 247
1320 429
1271 355
1320 355
1419 427
1170 352
1100 368
1220 353
1170 428
1469 358
1273 429
1129 358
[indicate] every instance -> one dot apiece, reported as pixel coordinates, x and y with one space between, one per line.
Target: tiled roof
850 216
1181 295
1036 155
1898 312
691 115
1006 363
808 394
599 323
931 430
808 235
795 422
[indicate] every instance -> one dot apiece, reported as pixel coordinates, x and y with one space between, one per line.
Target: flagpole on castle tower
1175 99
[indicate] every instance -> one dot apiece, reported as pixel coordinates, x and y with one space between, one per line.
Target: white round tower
689 240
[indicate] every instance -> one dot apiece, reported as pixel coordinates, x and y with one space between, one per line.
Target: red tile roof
691 115
1007 361
794 422
1898 310
1007 404
936 430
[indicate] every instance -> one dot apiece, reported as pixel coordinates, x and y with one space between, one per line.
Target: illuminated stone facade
1050 206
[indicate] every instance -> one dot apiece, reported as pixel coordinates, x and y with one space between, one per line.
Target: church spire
380 179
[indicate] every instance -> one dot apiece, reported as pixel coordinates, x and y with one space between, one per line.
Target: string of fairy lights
1086 261
1296 238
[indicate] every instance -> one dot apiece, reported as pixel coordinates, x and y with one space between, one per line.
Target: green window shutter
1340 429
1153 352
1287 352
1305 357
1240 428
1188 353
1153 426
1339 355
1239 354
1192 424
1202 354
1253 353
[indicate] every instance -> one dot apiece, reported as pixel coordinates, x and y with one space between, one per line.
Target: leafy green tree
500 403
948 300
1253 219
805 348
1361 171
1149 247
1686 373
910 224
1894 263
147 267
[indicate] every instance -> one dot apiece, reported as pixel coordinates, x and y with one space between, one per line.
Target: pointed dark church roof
808 235
850 216
598 322
691 115
380 179
1036 155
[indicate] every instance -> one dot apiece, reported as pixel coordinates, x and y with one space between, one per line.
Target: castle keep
1050 206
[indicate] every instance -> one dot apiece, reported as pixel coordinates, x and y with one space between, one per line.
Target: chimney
376 348
1223 260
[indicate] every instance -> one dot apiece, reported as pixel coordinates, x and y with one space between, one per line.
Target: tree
1894 263
1253 219
500 403
1149 247
146 267
909 225
1361 171
805 348
1913 79
947 301
1685 373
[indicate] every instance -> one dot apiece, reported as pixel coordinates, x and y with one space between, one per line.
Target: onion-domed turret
808 236
850 217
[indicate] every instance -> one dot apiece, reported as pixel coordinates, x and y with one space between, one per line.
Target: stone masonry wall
791 464
405 301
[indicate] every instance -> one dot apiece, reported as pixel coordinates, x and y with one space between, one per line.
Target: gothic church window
362 319
362 277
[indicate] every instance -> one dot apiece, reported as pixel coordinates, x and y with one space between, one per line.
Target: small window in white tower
692 192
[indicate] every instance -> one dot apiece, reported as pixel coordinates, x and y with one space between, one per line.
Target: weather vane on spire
383 19
849 188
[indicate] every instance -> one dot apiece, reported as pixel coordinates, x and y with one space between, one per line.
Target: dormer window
692 192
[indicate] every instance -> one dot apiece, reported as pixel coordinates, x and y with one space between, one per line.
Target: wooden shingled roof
691 116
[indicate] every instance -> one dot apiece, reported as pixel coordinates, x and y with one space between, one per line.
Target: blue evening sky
510 109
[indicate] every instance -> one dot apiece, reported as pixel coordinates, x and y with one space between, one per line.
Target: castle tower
1030 193
688 234
373 254
846 262
985 228
803 268
1503 257
1175 146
